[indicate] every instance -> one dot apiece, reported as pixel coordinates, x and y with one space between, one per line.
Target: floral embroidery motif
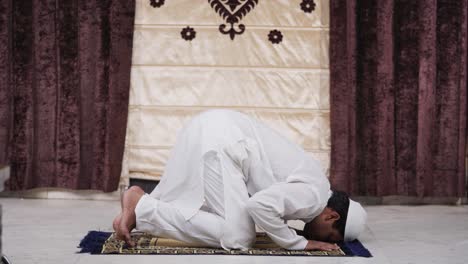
232 11
275 36
188 33
308 6
156 3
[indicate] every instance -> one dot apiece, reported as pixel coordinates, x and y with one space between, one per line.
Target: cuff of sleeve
300 245
143 212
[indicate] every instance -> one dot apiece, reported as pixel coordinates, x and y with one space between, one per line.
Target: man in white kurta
226 173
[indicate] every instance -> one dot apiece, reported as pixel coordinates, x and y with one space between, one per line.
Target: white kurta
226 172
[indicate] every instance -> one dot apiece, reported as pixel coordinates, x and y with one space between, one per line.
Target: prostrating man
228 172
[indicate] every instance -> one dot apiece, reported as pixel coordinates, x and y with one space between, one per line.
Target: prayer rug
96 242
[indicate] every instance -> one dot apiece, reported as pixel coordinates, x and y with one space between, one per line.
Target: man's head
342 219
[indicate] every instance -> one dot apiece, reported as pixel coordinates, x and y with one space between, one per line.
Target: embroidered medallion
188 33
308 6
156 3
232 11
275 36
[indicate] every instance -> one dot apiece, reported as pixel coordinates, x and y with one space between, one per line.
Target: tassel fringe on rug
96 242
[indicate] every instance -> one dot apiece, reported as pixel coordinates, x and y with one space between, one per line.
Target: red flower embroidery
275 36
156 3
308 6
188 33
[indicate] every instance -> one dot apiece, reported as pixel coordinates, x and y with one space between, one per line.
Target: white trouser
222 221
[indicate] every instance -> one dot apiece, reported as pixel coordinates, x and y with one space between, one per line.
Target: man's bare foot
116 222
128 218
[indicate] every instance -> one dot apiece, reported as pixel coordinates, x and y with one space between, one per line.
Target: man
228 172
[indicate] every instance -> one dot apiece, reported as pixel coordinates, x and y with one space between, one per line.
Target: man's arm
314 244
269 207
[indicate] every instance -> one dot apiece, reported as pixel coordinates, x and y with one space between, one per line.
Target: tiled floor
48 231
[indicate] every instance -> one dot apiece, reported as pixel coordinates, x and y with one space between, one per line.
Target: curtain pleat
5 111
343 45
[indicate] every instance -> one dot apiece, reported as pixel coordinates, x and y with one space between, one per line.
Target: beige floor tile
48 231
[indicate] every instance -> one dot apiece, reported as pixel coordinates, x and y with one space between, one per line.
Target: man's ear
332 215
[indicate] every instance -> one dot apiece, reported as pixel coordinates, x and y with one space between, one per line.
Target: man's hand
319 245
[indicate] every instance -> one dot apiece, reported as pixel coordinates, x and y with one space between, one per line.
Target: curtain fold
398 97
67 90
5 105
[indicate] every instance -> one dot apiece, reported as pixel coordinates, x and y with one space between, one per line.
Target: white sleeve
269 207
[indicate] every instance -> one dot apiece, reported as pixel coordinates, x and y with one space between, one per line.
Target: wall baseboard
59 193
410 200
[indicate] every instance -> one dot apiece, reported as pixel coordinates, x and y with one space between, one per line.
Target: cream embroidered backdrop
285 85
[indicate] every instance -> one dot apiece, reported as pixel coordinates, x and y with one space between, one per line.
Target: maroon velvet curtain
398 97
65 73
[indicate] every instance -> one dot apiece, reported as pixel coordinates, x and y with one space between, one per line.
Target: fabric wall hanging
183 63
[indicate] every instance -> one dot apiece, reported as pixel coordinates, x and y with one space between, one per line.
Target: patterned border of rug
97 242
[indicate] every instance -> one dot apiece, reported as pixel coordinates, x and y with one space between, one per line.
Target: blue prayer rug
97 242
